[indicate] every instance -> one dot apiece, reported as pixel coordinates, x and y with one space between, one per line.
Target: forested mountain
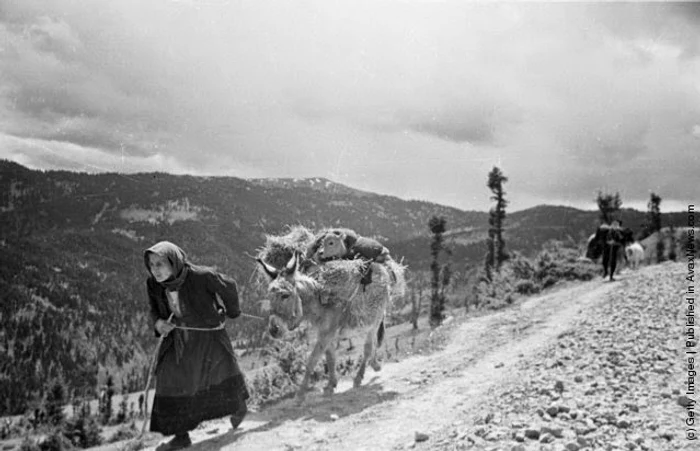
72 297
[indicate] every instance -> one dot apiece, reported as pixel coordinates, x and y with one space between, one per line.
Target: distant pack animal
607 242
330 299
635 254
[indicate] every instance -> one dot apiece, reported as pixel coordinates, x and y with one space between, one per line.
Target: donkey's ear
293 263
269 269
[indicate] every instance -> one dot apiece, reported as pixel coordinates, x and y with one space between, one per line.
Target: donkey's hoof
376 366
328 391
357 383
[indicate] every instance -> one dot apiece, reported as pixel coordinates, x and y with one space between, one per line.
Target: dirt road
444 400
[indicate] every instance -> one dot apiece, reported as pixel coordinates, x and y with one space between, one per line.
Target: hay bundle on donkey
331 298
279 249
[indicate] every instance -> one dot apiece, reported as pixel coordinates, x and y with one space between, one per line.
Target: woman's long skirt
197 379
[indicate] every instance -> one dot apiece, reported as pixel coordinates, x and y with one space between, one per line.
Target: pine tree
106 407
490 260
437 227
653 220
416 301
445 278
608 205
56 398
497 215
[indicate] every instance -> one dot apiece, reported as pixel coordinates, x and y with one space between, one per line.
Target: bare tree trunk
414 310
416 303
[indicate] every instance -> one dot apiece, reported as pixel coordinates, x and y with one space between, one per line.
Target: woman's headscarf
176 257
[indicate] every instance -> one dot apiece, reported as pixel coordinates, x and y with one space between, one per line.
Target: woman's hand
164 327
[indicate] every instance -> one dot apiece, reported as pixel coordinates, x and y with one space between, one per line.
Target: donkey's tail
380 333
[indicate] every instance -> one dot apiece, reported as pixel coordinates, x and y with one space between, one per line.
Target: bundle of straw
278 250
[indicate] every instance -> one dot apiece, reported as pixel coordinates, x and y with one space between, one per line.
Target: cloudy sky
413 98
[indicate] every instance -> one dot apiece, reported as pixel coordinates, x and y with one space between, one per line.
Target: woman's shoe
237 418
180 441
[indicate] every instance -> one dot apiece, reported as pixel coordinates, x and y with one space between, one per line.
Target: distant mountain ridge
319 183
72 301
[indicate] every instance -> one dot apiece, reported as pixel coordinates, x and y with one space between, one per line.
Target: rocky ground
590 366
615 380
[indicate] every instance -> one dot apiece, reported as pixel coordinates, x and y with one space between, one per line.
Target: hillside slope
72 299
72 302
594 365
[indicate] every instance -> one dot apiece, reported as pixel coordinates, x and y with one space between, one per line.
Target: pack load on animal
346 244
329 295
318 249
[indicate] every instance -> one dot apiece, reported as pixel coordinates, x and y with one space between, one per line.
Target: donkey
634 254
331 301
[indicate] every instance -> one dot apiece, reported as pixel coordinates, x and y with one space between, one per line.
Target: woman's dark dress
197 376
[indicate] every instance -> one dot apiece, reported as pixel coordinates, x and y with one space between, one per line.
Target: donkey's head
285 305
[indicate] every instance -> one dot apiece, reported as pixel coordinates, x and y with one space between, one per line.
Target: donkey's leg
360 373
370 345
376 366
374 363
311 362
332 378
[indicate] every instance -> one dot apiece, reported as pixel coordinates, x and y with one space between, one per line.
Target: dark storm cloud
60 84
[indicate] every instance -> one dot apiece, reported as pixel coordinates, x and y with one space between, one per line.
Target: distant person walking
611 237
197 376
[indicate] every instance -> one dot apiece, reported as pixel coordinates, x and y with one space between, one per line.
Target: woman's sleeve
227 290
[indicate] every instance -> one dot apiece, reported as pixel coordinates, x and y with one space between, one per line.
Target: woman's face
160 267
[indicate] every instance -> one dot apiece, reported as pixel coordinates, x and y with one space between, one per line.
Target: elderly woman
197 376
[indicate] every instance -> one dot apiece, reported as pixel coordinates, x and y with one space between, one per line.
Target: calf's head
332 246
